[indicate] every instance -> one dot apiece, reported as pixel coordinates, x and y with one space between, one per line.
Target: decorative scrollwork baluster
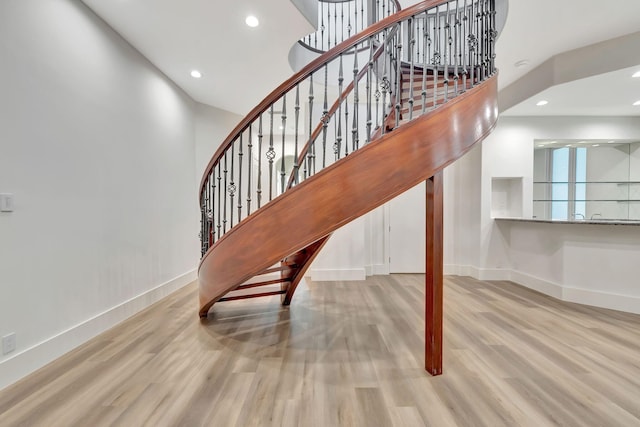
219 225
232 187
284 131
339 121
296 165
412 43
354 128
224 207
368 88
259 189
271 153
307 163
325 117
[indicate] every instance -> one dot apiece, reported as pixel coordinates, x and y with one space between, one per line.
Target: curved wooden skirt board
349 188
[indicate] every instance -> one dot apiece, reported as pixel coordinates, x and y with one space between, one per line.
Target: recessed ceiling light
596 145
569 145
636 103
196 74
610 142
636 74
541 103
522 63
252 21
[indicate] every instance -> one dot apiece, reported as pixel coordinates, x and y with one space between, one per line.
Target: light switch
6 202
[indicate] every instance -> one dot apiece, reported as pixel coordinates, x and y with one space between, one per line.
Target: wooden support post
434 277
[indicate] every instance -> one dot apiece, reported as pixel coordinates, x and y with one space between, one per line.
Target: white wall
98 148
213 125
500 254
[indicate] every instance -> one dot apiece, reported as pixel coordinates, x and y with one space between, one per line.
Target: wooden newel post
434 276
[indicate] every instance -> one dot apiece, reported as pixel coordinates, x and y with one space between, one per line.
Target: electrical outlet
8 343
6 202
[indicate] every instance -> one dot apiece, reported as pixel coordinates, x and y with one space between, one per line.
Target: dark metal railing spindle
325 117
224 207
284 132
354 127
240 154
219 226
338 143
232 187
412 43
271 153
259 189
296 165
368 88
307 163
249 169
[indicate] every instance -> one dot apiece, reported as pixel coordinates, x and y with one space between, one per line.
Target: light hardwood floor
347 354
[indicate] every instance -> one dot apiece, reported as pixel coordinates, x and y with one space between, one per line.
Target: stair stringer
346 190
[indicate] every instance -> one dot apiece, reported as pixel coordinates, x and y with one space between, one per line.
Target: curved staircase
367 120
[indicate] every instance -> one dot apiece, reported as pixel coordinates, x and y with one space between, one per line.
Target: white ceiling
609 94
178 36
240 65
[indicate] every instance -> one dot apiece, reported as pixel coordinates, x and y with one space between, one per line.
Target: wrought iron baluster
338 143
232 187
346 125
412 43
456 37
494 36
398 88
240 154
284 131
368 87
329 25
271 153
425 36
354 128
307 163
335 24
362 26
224 207
322 28
325 117
447 51
355 19
436 56
384 84
296 165
259 189
349 20
249 169
472 42
219 226
342 21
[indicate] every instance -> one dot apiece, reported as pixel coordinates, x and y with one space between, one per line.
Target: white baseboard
537 284
35 357
377 269
626 303
629 304
322 275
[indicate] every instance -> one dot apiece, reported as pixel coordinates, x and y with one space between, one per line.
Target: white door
407 217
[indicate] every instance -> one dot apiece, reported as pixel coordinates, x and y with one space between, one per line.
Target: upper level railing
340 19
402 67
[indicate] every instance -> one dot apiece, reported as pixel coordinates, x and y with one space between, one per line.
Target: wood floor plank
347 354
